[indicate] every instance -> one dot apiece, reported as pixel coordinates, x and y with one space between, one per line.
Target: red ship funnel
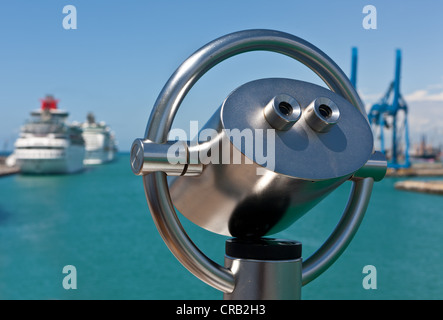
49 103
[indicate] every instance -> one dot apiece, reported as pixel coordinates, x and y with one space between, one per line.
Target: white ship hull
94 157
50 161
48 144
99 143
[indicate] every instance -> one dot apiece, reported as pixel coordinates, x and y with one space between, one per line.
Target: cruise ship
99 141
48 144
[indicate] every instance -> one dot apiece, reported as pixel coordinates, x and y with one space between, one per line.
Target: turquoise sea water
98 221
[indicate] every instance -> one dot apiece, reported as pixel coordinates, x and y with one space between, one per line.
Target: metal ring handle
160 122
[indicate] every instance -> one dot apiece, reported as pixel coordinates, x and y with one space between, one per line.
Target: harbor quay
6 170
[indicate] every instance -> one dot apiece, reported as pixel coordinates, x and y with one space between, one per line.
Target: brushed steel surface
233 200
282 112
265 280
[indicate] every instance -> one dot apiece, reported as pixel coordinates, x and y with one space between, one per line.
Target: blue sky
123 52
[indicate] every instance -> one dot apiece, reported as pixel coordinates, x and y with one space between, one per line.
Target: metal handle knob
160 121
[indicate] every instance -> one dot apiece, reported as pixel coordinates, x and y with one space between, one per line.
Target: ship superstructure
99 140
48 144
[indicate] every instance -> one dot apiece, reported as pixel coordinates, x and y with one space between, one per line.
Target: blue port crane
385 115
354 59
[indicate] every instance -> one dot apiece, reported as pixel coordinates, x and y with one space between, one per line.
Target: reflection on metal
264 269
375 167
322 114
282 112
320 139
172 157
